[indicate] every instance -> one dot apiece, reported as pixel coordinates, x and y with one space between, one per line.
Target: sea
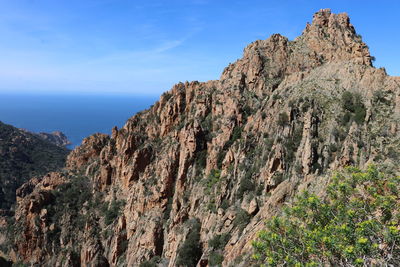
76 115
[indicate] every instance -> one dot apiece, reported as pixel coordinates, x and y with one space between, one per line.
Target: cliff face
219 156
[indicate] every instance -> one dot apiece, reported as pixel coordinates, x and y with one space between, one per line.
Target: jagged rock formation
221 155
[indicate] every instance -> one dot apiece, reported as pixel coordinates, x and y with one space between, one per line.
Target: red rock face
226 152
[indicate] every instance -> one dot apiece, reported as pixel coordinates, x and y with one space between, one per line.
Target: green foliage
236 134
69 198
283 119
211 206
356 224
263 115
354 108
219 241
23 156
333 148
220 158
242 219
247 111
215 259
153 262
201 159
113 211
393 153
246 185
276 97
217 245
225 204
291 144
212 179
379 97
190 251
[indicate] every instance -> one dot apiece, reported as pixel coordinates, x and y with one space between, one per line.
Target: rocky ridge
22 156
216 158
58 138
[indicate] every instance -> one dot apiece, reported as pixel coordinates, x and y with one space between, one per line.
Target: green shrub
212 179
190 251
242 219
348 101
215 259
201 159
393 153
247 111
283 119
220 158
246 185
354 108
356 224
292 144
359 114
333 147
219 241
217 244
153 262
225 204
263 115
379 96
113 211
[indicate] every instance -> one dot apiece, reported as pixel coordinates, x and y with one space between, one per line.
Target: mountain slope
22 156
209 162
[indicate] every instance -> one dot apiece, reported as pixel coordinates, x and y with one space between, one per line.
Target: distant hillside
22 156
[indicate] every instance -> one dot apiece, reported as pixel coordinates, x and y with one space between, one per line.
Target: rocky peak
334 38
265 63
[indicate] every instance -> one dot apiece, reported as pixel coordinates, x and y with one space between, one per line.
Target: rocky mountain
24 155
58 138
190 181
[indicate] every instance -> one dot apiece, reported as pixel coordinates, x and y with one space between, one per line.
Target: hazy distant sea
77 116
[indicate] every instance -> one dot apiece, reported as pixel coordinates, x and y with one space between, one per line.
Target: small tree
283 119
190 251
356 224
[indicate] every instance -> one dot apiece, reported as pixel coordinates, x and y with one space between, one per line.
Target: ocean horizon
76 115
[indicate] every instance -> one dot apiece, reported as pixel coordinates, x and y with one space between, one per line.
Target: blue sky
144 47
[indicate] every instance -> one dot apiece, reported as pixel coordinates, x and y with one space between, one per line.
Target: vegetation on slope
22 156
356 224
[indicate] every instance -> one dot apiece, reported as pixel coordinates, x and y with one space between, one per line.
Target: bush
201 158
333 148
354 108
212 179
113 211
153 262
191 250
219 241
242 219
215 259
283 119
348 101
356 224
217 244
246 185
